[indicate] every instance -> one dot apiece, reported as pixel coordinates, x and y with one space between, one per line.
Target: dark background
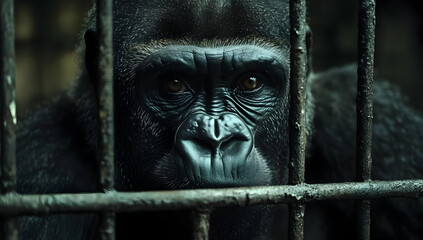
47 32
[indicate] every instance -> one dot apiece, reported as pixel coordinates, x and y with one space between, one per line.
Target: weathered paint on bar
8 112
106 109
297 136
365 72
201 224
207 198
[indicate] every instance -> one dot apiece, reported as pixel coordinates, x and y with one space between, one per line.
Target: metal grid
203 201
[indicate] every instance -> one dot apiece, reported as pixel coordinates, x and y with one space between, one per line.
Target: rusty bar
207 198
365 72
201 224
8 113
296 221
105 79
105 70
297 136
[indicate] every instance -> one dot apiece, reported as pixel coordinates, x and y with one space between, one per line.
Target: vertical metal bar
365 71
297 112
8 113
106 109
201 224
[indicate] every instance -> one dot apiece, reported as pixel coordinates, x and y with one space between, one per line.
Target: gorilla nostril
225 144
213 144
204 144
216 128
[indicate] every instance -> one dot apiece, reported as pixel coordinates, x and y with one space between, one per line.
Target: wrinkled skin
202 100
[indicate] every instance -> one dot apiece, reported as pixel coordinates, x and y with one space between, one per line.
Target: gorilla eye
174 85
250 82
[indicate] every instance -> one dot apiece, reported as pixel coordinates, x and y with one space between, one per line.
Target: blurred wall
47 32
399 40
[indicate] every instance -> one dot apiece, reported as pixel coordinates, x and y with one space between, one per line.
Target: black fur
57 141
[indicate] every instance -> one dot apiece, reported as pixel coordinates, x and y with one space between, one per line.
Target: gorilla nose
214 146
213 133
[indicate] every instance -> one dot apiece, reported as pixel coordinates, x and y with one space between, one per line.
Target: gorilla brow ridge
139 52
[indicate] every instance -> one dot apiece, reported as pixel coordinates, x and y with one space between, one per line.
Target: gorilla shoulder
397 129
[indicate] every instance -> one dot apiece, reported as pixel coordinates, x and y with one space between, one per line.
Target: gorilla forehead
143 21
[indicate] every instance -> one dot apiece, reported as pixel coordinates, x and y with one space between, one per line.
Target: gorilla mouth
202 161
200 173
215 167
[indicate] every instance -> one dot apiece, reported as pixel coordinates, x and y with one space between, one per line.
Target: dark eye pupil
175 85
251 83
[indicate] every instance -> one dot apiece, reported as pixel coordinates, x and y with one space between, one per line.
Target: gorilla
202 101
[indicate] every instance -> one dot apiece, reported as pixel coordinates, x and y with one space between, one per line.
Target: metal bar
105 75
207 198
8 113
201 224
365 71
297 137
296 221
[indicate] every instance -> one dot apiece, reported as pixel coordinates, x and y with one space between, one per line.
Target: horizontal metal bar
12 204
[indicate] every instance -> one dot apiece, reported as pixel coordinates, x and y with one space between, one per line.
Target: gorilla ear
91 55
309 43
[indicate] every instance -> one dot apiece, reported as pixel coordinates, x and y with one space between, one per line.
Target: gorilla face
210 104
212 99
